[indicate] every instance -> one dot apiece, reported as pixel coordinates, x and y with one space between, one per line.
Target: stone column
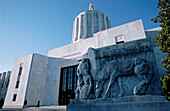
76 28
85 25
73 34
105 22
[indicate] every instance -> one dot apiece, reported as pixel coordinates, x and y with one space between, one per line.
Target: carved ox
115 69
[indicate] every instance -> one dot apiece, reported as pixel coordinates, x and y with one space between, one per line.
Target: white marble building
52 78
4 82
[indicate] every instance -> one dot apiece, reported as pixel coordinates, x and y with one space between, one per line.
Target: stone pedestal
130 103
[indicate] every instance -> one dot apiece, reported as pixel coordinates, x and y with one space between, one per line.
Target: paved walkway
44 108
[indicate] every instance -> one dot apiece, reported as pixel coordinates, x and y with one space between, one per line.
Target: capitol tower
89 22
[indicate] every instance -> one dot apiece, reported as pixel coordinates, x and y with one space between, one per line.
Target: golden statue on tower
91 6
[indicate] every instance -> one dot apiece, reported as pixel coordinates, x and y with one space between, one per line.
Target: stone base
130 103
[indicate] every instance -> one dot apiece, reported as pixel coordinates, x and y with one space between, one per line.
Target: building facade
4 82
52 79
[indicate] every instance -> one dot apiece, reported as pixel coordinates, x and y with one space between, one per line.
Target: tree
163 40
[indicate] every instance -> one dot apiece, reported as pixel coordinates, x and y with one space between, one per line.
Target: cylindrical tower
89 22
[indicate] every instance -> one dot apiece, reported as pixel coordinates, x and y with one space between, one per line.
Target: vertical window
17 84
75 77
2 84
20 68
19 75
7 82
64 79
68 80
3 79
8 78
14 97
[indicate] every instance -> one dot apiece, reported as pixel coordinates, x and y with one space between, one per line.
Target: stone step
129 103
145 98
43 108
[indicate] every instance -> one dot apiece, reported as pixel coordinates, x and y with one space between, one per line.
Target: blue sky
36 26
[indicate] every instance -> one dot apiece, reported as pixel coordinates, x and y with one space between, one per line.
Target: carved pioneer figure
115 69
85 90
79 84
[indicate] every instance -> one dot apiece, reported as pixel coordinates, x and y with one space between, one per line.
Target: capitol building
52 78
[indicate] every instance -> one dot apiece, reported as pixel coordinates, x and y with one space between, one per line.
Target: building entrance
68 83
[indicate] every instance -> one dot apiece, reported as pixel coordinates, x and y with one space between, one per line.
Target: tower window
19 75
20 68
17 84
14 97
3 79
119 39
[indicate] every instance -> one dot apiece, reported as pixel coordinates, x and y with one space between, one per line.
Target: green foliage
166 86
163 40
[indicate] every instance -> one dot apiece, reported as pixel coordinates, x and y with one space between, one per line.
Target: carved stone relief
113 71
116 69
120 70
85 85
